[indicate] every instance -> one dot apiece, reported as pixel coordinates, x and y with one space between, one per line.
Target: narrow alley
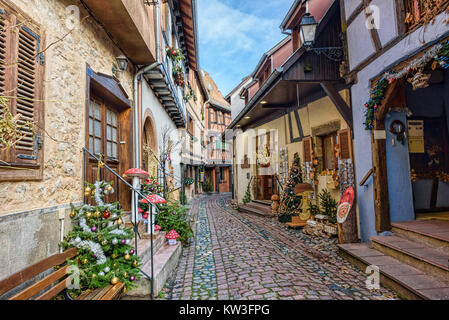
237 256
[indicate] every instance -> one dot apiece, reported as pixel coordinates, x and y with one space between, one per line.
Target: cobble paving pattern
240 256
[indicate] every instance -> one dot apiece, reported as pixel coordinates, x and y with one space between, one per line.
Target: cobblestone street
236 255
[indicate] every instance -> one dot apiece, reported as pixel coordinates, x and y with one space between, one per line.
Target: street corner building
108 86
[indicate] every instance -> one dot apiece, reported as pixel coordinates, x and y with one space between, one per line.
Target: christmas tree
105 255
247 197
290 203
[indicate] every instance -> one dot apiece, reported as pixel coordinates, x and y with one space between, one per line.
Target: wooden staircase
262 208
165 259
414 261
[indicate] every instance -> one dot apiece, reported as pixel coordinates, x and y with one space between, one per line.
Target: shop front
410 139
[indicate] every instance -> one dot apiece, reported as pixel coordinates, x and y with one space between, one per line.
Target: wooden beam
338 101
389 94
381 195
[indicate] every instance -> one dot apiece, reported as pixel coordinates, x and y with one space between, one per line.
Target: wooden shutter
26 106
345 142
308 149
21 79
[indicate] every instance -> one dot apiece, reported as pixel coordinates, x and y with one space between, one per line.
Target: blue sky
233 35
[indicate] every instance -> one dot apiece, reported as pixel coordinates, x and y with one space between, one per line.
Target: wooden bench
53 284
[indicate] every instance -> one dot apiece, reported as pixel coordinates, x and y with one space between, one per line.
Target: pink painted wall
282 54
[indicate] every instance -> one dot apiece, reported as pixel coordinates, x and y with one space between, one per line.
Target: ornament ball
127 256
119 221
132 278
109 188
114 280
97 214
125 275
135 263
123 241
106 214
72 214
84 261
88 215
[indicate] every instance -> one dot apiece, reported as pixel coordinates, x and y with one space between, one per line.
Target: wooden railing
423 11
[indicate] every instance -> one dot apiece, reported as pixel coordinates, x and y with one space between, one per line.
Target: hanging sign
347 199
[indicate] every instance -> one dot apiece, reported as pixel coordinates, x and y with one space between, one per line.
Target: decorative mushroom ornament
171 237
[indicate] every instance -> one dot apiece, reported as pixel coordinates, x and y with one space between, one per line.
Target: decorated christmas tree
105 255
247 197
290 203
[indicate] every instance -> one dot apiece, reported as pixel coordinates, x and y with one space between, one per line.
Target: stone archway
149 145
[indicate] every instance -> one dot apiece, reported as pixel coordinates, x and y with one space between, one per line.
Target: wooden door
103 139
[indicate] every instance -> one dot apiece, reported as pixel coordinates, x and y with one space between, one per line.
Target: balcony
131 24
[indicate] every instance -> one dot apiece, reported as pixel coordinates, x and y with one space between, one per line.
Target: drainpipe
136 135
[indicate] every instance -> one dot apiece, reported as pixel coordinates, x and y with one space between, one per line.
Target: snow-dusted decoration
84 225
98 194
118 232
94 247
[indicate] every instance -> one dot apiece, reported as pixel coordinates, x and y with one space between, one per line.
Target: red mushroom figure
136 174
154 198
171 237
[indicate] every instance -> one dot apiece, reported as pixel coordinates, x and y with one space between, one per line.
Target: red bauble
106 214
174 52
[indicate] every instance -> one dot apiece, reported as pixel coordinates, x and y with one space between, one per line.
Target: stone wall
33 235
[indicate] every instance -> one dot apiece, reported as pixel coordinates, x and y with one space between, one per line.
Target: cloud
233 37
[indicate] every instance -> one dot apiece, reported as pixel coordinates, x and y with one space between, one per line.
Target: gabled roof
238 86
214 94
269 53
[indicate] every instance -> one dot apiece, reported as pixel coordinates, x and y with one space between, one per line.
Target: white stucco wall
161 121
237 103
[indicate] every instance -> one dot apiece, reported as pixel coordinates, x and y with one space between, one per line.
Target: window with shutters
21 82
307 149
345 143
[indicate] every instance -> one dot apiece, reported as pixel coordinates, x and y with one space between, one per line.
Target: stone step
265 203
408 282
144 246
259 207
248 209
165 262
418 254
432 232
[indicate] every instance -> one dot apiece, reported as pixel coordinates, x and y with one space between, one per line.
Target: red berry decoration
174 52
145 215
106 214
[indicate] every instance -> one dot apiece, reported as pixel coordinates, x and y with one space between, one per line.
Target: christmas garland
438 53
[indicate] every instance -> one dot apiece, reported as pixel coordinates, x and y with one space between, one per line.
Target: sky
234 34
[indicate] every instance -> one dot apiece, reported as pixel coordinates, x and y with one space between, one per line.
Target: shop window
22 76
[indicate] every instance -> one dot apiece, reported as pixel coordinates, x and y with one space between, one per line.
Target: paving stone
259 258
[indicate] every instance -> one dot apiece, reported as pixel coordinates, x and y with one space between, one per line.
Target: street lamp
307 34
122 62
307 30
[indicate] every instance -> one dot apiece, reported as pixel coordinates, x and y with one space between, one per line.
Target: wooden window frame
24 165
104 106
333 136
